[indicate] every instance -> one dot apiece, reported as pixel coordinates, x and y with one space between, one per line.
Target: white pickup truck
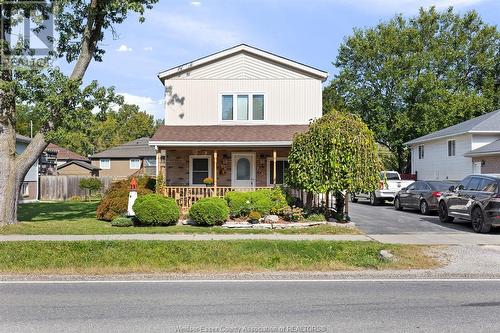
390 184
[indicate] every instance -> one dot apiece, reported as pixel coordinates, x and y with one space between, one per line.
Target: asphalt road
385 219
231 306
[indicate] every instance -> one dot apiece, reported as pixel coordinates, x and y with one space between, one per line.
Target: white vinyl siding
105 163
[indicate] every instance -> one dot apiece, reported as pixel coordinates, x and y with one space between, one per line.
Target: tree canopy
408 77
337 153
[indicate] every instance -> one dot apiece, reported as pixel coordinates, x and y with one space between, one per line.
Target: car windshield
389 176
440 186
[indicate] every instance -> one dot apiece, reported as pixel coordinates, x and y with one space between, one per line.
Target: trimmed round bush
155 210
122 222
254 216
115 201
238 202
209 211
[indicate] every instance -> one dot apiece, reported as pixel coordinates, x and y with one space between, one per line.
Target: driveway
385 220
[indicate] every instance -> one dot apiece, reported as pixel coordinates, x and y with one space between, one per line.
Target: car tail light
436 194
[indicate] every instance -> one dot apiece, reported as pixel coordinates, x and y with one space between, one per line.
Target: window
25 190
227 107
281 168
242 107
451 148
421 152
200 167
474 184
488 185
258 107
105 163
135 163
150 162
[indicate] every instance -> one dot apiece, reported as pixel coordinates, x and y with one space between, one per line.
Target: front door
243 170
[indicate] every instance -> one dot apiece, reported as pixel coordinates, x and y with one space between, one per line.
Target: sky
178 31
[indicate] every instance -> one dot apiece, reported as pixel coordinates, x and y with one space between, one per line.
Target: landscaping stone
271 219
386 255
240 225
344 225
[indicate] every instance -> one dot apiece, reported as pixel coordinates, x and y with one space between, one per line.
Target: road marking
242 281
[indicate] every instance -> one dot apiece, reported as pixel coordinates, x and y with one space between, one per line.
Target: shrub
90 184
293 214
263 201
75 198
115 201
209 211
122 222
316 218
254 216
155 209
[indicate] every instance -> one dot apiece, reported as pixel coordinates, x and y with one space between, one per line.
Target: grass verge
114 257
78 218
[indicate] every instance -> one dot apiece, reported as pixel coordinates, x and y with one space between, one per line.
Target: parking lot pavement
385 220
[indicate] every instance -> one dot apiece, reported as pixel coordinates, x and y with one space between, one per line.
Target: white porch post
158 160
274 167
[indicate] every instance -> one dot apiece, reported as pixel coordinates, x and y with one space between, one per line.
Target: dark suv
476 199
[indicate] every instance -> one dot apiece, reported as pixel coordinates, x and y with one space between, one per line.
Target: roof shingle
65 154
136 148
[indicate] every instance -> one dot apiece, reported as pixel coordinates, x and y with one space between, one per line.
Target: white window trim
421 157
268 164
102 166
454 148
235 107
191 157
130 163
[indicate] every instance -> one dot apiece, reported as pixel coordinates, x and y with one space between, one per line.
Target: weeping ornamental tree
56 99
338 153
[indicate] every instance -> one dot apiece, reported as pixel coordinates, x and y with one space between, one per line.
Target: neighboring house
29 188
132 158
55 156
457 151
77 168
232 116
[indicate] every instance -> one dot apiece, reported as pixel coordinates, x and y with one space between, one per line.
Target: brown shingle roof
133 149
228 133
65 154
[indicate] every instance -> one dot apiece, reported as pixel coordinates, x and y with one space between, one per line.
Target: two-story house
232 116
472 146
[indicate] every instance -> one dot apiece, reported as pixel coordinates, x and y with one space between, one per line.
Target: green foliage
316 218
337 153
115 200
264 201
254 216
408 77
155 209
75 198
122 222
90 184
209 211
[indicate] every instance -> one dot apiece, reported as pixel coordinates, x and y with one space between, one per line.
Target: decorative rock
271 219
244 225
386 255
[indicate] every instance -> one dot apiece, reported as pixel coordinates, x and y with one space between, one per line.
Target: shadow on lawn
56 211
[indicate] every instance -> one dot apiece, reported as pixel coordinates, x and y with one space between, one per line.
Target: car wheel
477 219
424 208
373 199
397 204
353 198
443 213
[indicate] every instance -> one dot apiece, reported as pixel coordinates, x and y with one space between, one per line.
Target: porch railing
187 195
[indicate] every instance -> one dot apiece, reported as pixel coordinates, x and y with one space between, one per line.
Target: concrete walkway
406 238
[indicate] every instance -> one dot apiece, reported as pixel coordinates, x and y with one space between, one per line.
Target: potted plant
209 181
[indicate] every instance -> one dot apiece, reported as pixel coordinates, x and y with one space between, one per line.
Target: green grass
112 257
78 218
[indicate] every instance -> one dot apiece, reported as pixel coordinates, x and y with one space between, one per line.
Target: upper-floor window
421 152
451 148
105 163
135 163
242 107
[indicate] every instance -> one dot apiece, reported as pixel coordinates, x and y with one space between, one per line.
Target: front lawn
111 257
78 218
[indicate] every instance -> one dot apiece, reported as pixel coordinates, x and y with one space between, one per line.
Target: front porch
232 169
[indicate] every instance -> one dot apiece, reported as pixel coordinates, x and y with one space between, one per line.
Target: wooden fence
65 187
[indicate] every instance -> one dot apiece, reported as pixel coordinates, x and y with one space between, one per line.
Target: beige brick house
232 116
